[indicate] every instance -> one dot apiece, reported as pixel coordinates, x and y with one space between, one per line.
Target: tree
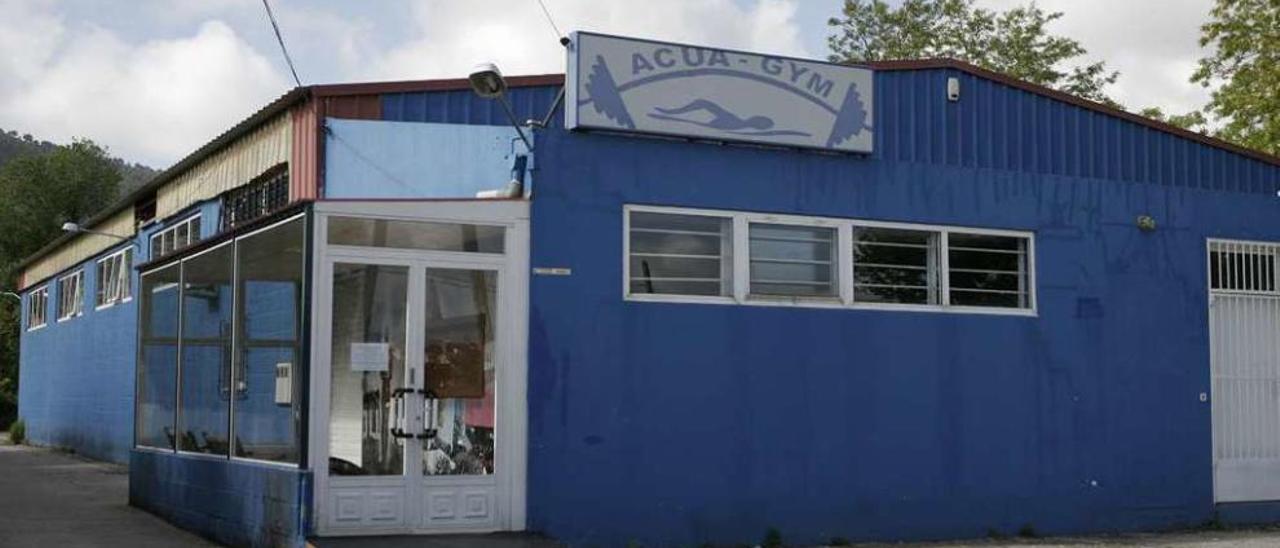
1191 121
38 192
1016 42
1244 36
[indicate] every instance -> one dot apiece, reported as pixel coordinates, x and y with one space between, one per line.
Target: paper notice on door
370 356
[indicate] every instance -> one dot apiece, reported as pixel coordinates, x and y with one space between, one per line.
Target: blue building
968 304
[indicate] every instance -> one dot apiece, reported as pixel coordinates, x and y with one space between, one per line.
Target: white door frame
513 267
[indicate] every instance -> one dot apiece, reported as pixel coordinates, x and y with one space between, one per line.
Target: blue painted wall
234 503
684 423
384 159
76 377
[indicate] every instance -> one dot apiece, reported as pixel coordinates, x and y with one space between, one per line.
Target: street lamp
77 229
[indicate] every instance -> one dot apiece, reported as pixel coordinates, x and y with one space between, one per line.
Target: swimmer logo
624 84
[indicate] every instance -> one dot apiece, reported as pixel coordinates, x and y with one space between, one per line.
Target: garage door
1244 335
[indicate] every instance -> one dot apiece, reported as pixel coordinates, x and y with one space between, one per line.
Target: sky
153 80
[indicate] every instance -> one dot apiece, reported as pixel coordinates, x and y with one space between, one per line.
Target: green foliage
1244 38
1028 531
772 538
1191 121
18 431
1016 42
38 192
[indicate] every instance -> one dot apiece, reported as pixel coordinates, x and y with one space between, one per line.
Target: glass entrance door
414 367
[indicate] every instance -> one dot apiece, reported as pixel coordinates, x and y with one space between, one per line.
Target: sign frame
575 99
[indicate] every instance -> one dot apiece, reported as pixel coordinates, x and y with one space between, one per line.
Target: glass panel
367 365
125 276
680 254
180 236
104 272
268 411
793 260
207 308
460 367
987 270
415 235
894 266
158 359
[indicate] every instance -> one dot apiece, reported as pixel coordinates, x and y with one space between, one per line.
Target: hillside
13 145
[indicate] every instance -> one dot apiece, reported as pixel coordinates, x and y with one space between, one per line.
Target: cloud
1154 45
152 101
449 37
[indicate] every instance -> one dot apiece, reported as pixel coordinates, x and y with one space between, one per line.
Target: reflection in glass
415 235
157 358
895 266
680 254
367 366
988 270
460 359
268 410
206 352
792 260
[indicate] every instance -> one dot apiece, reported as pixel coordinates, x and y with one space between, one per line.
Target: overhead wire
280 40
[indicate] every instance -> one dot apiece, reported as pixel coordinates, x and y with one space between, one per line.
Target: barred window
261 197
680 254
820 261
895 266
793 261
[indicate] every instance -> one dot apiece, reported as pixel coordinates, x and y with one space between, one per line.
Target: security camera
486 81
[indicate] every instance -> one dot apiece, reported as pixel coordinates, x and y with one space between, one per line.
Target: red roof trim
955 64
409 86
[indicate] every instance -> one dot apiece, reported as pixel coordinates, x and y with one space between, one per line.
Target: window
1242 266
263 196
220 349
37 308
205 382
794 261
115 278
680 254
270 270
157 358
689 255
988 270
893 265
176 237
416 235
71 295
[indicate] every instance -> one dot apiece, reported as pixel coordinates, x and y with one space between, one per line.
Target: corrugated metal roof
388 89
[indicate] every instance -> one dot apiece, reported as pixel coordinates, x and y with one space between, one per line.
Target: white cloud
452 36
152 101
1154 45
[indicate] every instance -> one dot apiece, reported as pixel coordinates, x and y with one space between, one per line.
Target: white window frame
844 249
42 295
123 271
78 307
172 232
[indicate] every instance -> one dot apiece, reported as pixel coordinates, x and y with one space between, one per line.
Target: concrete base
235 503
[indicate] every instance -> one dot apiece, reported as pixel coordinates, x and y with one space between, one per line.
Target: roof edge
411 86
963 66
274 108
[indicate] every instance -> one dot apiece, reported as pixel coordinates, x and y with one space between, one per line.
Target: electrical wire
280 40
547 13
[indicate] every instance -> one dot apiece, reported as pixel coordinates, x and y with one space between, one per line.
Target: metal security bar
267 195
1244 327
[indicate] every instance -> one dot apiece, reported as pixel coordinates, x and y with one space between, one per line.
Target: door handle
399 415
429 403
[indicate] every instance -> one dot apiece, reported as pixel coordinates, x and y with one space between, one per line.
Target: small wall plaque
552 271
